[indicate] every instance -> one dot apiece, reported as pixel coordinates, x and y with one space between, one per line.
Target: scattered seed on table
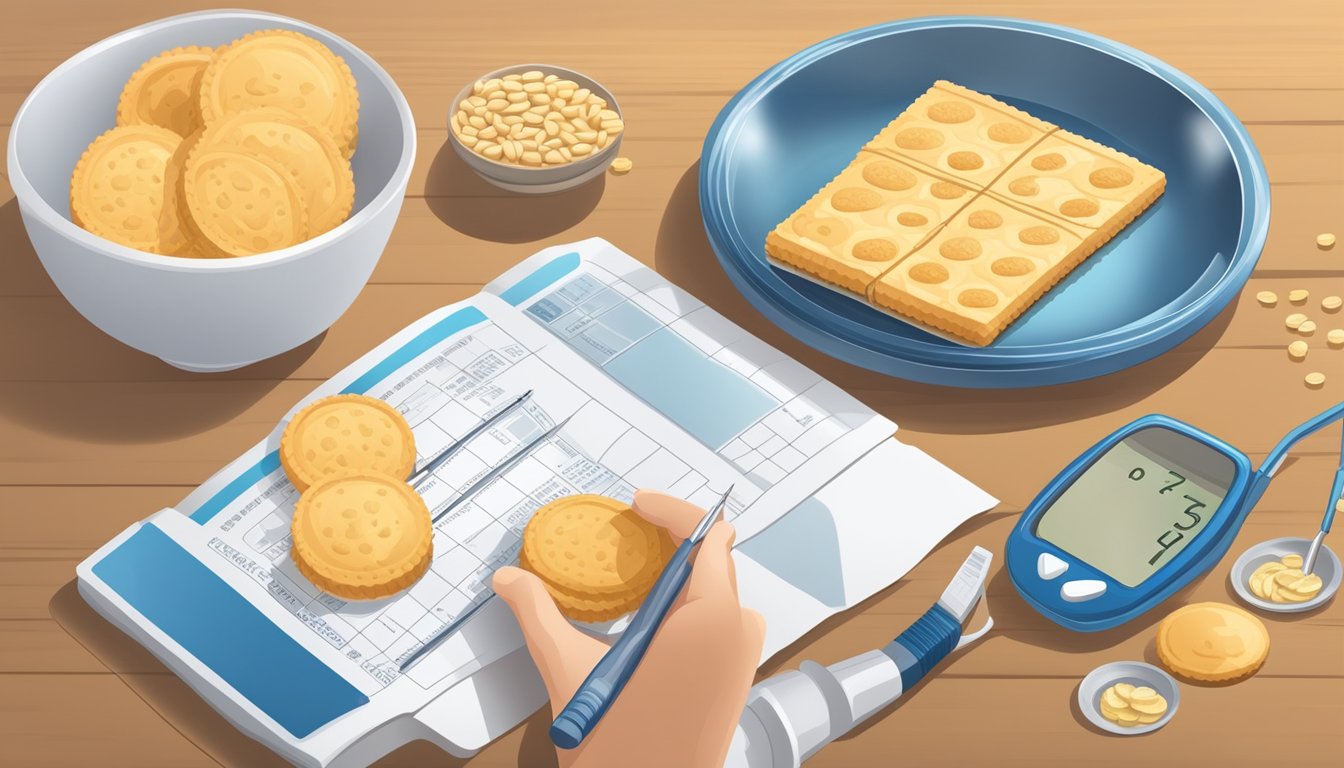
1307 328
1295 321
1325 240
1332 303
1315 379
1267 298
1299 296
1298 350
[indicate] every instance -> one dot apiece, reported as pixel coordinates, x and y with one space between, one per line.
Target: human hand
683 702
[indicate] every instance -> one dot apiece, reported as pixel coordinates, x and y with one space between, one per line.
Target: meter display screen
1139 504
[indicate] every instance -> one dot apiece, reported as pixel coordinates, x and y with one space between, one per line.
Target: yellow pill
621 165
1332 303
1335 337
1315 379
1142 693
1299 295
1267 298
1157 706
1294 320
1306 328
1325 240
1298 350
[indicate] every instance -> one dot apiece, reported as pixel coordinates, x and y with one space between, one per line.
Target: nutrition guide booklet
659 391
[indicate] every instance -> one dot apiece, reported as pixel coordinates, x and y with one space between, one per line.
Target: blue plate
1171 271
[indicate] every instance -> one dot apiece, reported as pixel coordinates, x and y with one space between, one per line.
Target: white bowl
538 181
202 314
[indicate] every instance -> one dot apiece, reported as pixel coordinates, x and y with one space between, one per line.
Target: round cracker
117 190
242 205
1212 642
362 537
165 91
176 237
314 161
595 547
587 608
346 435
285 69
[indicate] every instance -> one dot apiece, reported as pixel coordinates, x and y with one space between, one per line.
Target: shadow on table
190 716
474 207
48 346
684 256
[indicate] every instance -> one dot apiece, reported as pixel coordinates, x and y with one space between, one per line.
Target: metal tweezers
462 498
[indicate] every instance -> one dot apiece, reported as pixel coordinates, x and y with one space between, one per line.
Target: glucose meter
1136 517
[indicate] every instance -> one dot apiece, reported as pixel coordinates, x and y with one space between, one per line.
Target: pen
613 671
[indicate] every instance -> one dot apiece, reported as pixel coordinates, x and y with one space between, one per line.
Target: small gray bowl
1135 673
1327 567
519 178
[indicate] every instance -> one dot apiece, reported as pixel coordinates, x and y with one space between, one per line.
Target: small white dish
538 181
1327 567
1135 673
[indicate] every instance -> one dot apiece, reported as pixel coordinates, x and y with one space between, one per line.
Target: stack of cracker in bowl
359 531
225 152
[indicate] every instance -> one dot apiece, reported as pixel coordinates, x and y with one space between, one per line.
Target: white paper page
853 538
769 417
612 444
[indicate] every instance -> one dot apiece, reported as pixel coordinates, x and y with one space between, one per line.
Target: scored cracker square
926 249
959 133
1080 182
981 271
875 212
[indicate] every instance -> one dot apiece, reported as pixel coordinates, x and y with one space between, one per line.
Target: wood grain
94 435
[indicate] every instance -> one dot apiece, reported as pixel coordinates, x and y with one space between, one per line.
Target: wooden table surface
94 435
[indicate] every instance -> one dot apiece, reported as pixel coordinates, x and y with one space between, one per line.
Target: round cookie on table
596 556
1212 642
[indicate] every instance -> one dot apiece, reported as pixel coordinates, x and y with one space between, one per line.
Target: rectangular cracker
876 211
959 133
1058 197
1076 181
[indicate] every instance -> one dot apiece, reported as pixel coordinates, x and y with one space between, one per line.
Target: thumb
563 654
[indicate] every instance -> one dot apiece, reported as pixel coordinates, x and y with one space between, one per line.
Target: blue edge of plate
948 365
